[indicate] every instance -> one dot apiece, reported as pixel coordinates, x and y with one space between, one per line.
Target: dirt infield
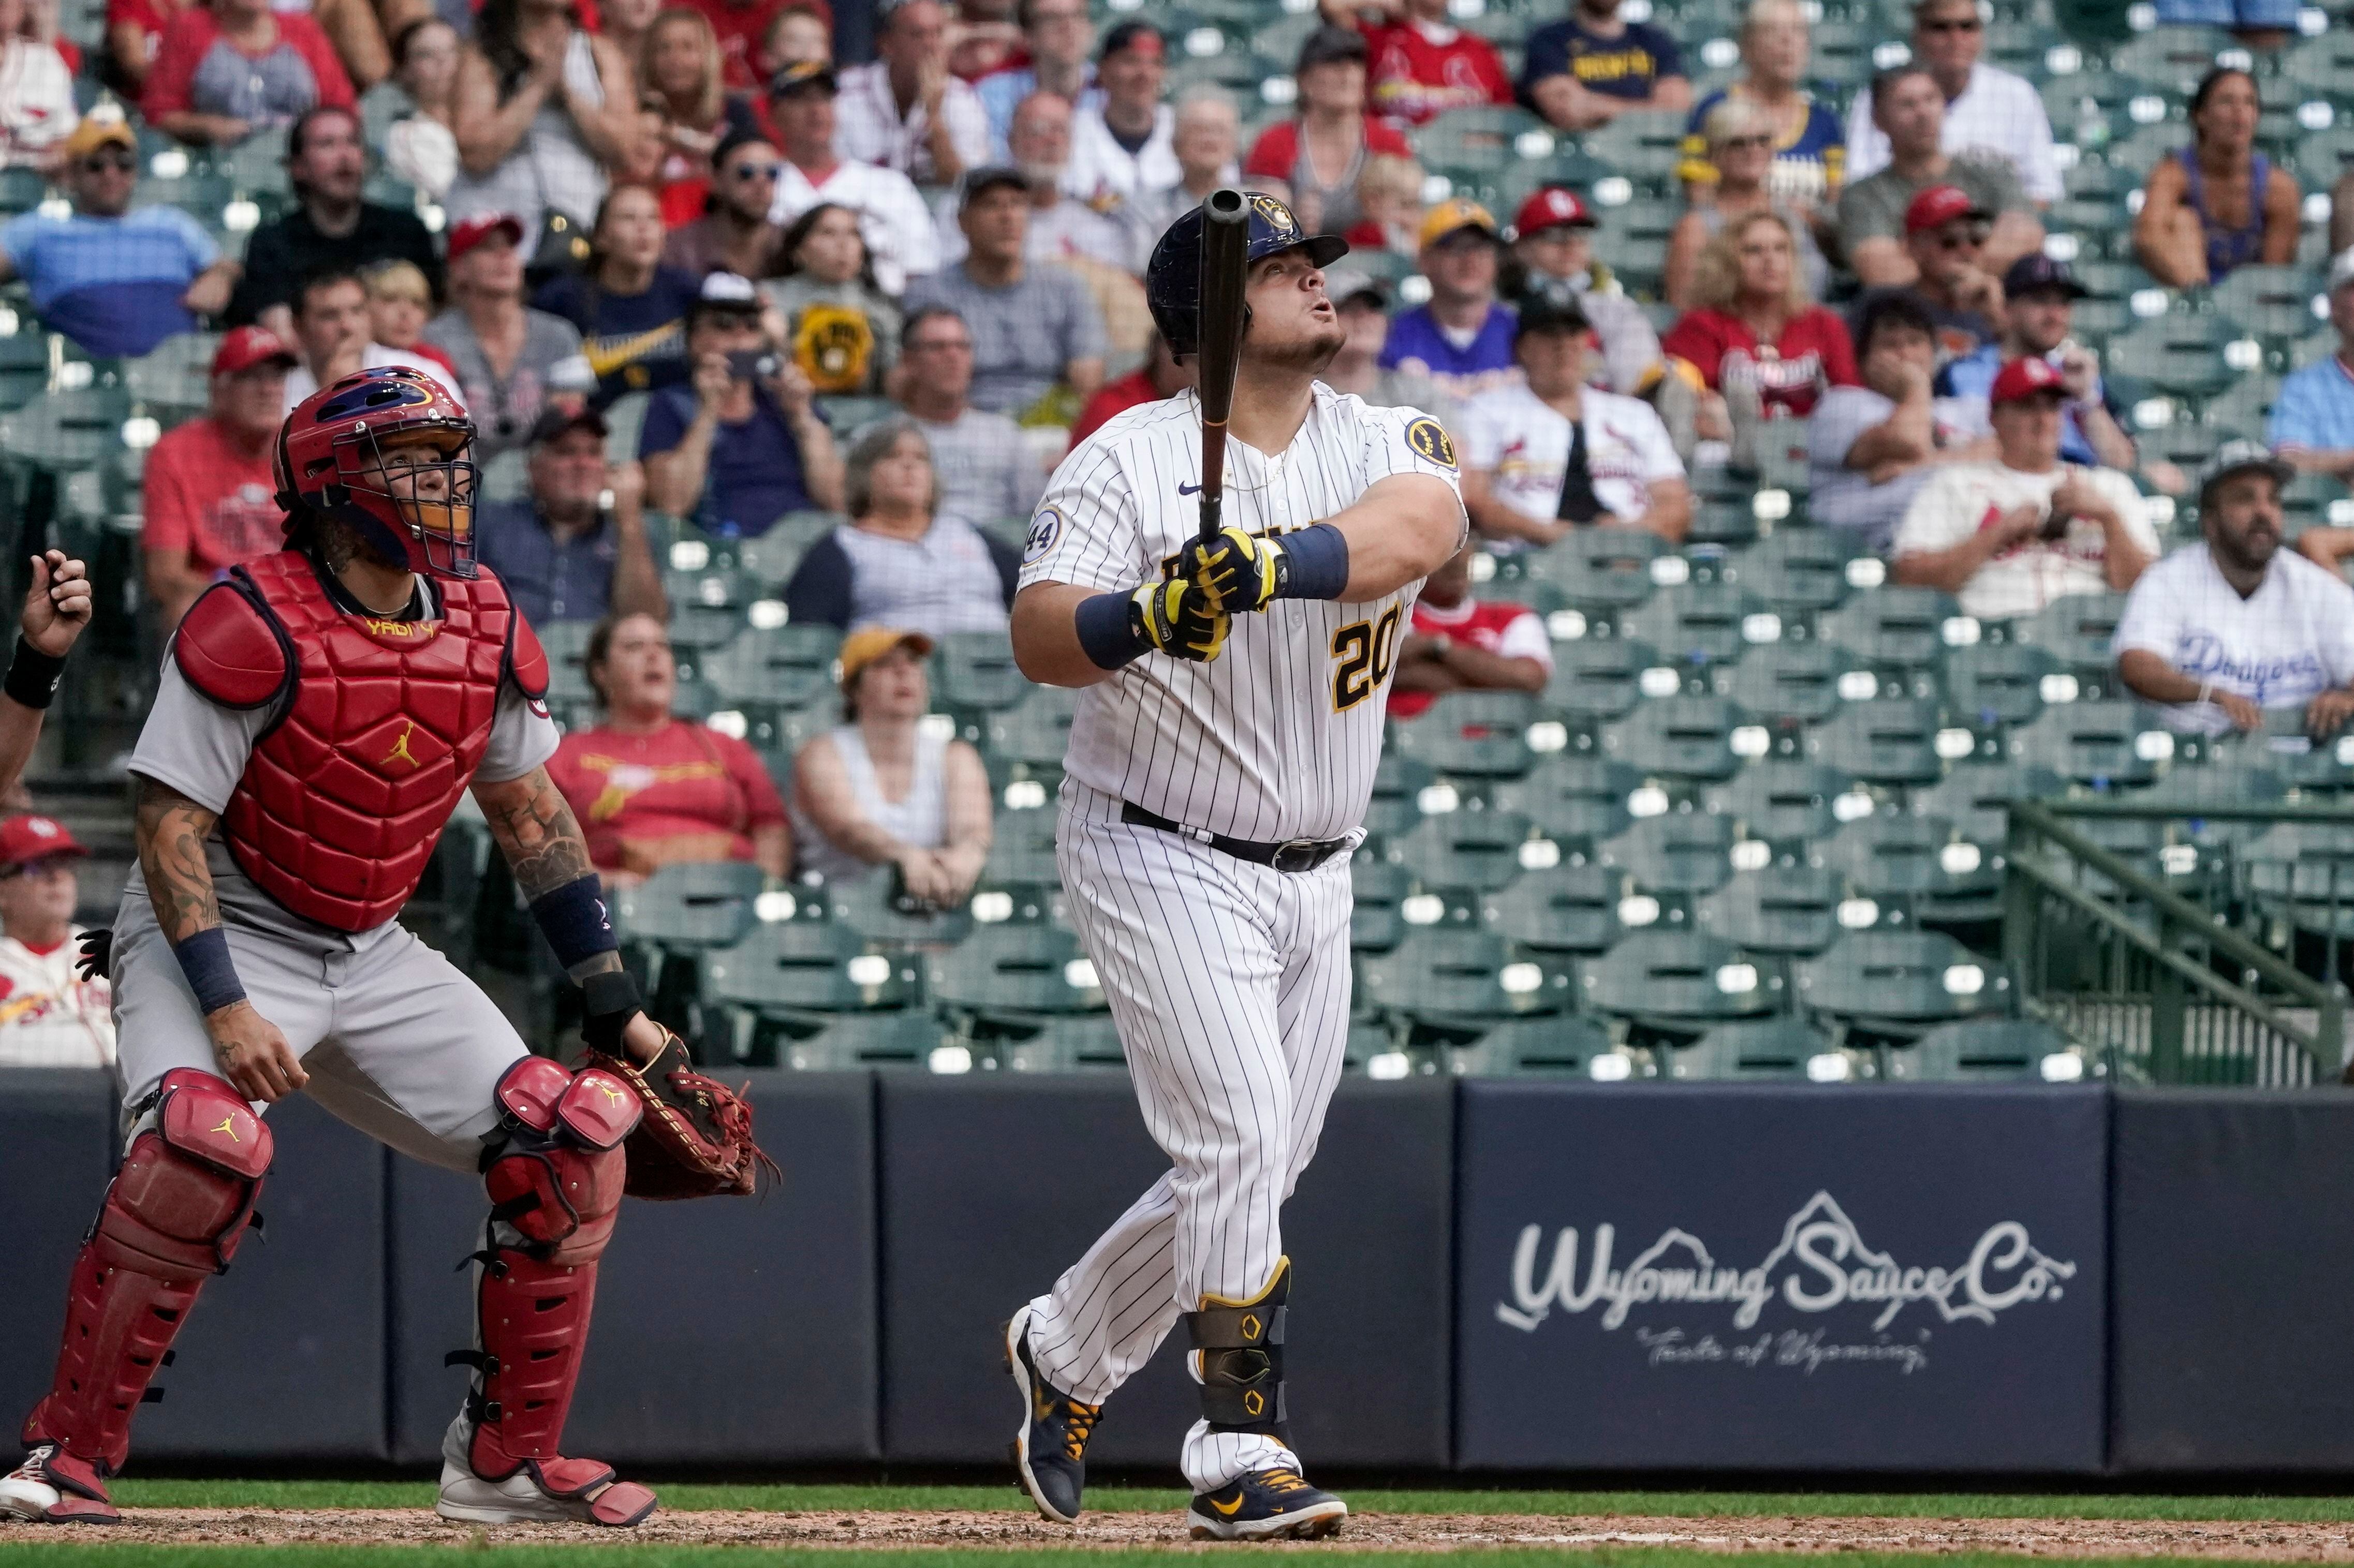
2266 1540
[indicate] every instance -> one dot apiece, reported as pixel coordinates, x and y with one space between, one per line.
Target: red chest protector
383 722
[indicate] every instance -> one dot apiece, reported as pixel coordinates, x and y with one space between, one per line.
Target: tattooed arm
170 834
534 828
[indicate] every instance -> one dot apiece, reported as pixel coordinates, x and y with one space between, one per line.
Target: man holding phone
742 444
2008 537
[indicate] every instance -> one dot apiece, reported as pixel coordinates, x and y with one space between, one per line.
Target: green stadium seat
770 559
1974 797
1682 737
706 608
1478 734
1005 980
1752 1050
1785 910
1022 852
2170 60
1601 573
1463 851
1646 145
974 672
1697 623
1995 685
1395 807
2304 872
775 669
1899 631
859 1042
66 430
801 972
1680 855
1573 801
1675 982
2269 301
1796 573
21 190
1534 1048
1035 735
24 367
1596 679
1886 741
1454 983
1784 800
2177 352
2076 629
1915 864
1977 1050
868 906
2322 65
2324 157
1799 683
1569 910
2233 779
1900 984
1732 523
1476 142
689 908
1376 920
2092 743
175 378
1086 1043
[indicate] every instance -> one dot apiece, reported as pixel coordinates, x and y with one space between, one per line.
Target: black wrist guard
609 1000
33 676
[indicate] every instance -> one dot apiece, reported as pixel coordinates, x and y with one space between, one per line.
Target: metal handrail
2177 975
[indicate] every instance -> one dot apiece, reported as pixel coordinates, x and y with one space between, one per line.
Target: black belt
1292 855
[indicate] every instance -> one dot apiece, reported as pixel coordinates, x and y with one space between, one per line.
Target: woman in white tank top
877 790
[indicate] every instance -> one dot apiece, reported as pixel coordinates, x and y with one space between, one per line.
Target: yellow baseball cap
1452 214
868 643
98 131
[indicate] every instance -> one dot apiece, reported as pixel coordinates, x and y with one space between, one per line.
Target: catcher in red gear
322 713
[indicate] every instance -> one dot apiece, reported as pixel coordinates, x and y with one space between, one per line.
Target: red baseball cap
244 347
470 232
1549 209
2024 379
1941 205
26 839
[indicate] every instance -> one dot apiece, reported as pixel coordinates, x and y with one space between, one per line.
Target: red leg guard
563 1197
173 1216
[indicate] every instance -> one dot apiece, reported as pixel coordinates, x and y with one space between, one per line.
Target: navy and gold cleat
1266 1505
1050 1451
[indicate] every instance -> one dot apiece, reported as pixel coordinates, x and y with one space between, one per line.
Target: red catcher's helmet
388 451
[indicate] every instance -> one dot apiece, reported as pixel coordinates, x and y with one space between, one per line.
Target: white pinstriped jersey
1280 736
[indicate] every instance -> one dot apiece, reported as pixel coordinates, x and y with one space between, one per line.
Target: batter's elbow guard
1238 1352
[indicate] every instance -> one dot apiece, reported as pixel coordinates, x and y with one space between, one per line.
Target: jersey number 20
1367 650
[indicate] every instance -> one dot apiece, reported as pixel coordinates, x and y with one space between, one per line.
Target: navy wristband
212 974
1316 561
574 919
1106 633
33 676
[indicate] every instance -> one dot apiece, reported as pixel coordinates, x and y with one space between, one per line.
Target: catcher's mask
388 452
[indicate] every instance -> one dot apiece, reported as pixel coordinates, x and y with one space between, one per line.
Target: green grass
831 1557
690 1497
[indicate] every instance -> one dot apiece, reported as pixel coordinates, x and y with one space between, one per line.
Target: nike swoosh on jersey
1189 490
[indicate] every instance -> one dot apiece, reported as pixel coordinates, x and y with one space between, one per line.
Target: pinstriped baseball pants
1229 985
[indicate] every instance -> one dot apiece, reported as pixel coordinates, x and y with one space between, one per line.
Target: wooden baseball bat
1226 241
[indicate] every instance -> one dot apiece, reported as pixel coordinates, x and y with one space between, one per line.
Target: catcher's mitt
694 1139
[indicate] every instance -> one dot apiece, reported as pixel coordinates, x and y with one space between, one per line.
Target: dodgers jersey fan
1277 738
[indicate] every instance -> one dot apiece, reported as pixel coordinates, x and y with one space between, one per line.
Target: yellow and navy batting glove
1179 620
1240 571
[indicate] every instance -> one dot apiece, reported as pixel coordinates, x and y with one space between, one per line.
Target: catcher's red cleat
52 1486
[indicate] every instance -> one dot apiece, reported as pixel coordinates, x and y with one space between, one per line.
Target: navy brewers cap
2036 272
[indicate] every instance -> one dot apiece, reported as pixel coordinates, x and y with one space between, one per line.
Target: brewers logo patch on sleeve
1045 529
1430 442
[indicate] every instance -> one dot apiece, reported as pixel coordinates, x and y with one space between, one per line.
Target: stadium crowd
686 267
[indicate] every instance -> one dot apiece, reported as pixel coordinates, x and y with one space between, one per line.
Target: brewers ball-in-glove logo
1276 213
835 344
1430 442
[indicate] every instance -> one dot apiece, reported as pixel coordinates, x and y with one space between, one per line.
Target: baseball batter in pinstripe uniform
1228 727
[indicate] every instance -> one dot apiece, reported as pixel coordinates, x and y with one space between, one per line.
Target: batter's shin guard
172 1217
555 1184
1239 1354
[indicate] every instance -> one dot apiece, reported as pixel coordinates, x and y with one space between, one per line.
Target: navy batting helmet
1172 278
